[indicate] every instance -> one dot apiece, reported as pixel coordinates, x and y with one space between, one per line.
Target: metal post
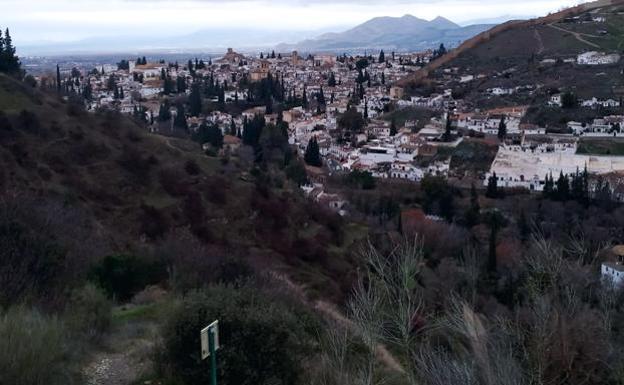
213 358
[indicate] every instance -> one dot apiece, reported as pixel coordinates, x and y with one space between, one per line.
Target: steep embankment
137 188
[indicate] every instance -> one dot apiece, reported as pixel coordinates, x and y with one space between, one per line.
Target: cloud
78 19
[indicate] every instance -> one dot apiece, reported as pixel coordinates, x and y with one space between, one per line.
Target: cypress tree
549 186
502 129
195 100
382 57
180 119
164 113
332 80
563 187
312 154
393 127
492 187
58 79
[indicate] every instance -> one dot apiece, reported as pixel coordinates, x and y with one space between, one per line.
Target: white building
614 272
597 58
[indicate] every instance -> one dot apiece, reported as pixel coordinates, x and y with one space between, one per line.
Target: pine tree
382 57
312 154
9 62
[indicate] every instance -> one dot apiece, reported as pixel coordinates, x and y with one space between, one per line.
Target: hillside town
347 106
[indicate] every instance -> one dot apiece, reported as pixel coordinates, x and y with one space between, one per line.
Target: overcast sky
70 20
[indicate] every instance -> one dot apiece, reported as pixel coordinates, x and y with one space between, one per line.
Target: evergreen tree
383 78
321 99
472 215
312 154
87 93
332 80
181 84
195 100
549 187
393 127
382 57
58 79
305 98
447 136
9 62
492 187
232 127
180 118
164 113
209 133
502 129
563 188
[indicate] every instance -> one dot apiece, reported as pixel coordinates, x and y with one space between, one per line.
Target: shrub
31 263
122 276
154 223
264 339
192 168
28 121
34 350
89 312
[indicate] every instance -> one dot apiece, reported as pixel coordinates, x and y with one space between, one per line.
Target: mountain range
406 33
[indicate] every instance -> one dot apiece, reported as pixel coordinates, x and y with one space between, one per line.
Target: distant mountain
207 40
406 33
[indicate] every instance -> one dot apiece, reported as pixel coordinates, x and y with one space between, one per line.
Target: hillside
134 190
406 33
515 44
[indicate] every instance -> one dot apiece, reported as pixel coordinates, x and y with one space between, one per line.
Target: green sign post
209 344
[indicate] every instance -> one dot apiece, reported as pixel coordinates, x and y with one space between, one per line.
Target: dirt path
329 311
112 369
540 42
577 35
124 356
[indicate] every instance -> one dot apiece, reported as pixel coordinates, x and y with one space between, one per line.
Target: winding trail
540 42
124 356
330 312
577 35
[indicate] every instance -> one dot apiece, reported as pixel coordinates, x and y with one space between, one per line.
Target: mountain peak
442 22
